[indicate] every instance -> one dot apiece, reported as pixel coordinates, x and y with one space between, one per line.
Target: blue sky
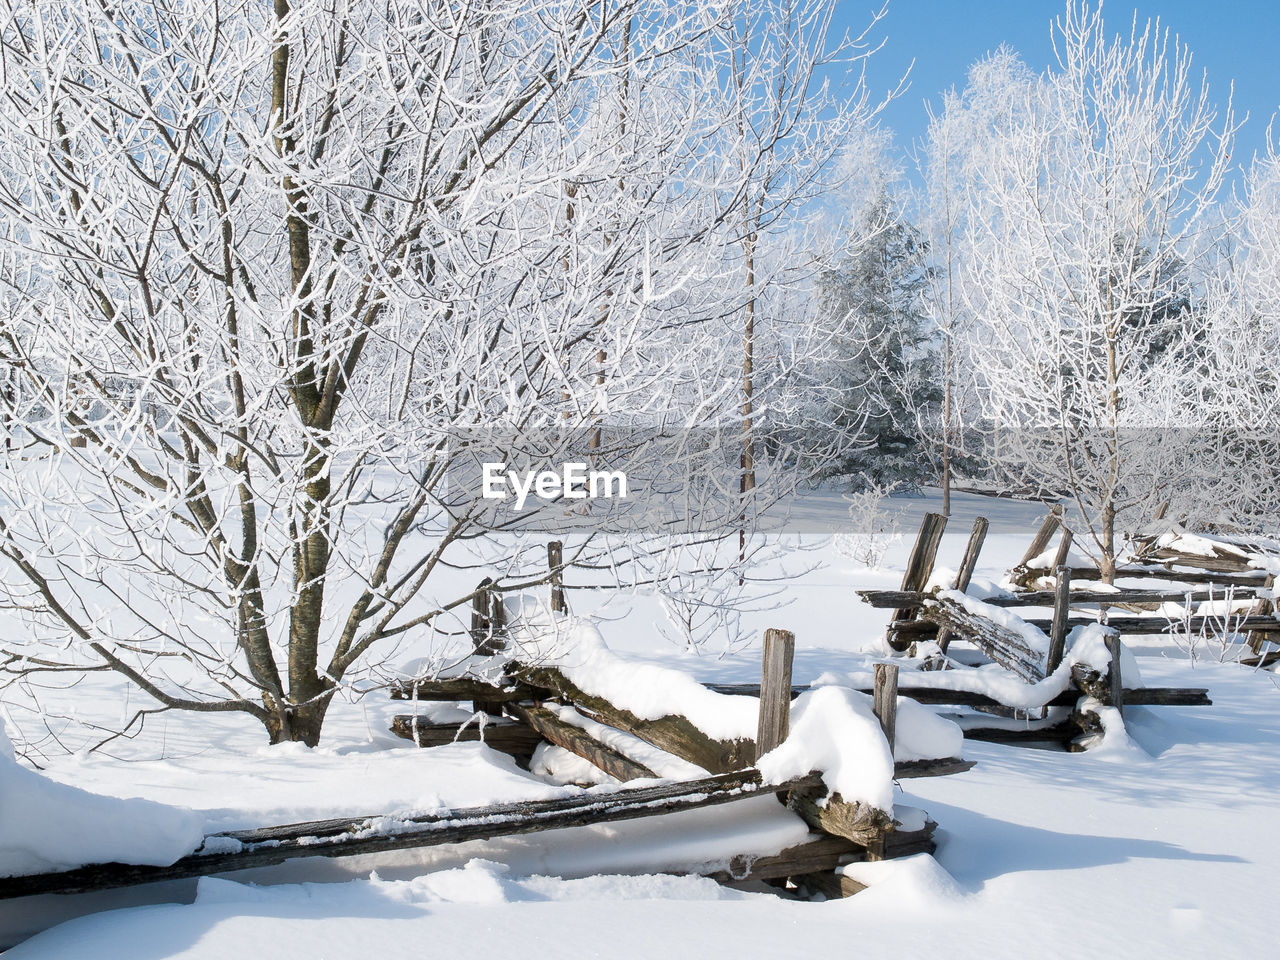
1231 40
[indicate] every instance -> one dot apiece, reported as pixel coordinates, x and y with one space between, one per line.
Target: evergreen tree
887 386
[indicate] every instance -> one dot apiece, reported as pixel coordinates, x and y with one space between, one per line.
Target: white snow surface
47 826
1143 843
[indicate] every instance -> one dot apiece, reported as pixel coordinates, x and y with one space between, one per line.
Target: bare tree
1096 181
274 274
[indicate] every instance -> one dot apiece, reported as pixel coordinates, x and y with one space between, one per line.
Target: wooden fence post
1039 543
1064 549
1114 679
884 700
967 565
488 619
919 567
1058 630
775 690
555 563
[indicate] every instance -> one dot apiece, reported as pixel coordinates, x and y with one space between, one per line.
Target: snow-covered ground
1166 842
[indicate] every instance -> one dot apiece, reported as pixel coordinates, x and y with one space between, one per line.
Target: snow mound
834 730
47 826
908 885
649 691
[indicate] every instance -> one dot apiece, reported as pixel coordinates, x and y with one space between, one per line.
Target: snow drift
47 826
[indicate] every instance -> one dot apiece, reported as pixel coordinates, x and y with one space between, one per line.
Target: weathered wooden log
1058 628
1222 557
577 741
887 599
820 853
1057 732
1167 572
504 736
675 734
1134 625
1004 646
1136 696
454 689
1259 660
1064 549
968 563
555 564
942 767
1022 573
486 635
884 700
775 690
919 567
830 813
372 835
1262 606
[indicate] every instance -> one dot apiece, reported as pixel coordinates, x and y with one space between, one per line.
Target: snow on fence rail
557 682
1056 659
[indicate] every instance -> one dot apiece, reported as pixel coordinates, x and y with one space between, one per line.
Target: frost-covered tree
1094 185
268 268
886 384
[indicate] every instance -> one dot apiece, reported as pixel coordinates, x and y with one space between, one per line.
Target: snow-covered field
1164 843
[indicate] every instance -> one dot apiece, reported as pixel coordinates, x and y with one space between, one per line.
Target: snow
833 730
1143 843
47 826
649 691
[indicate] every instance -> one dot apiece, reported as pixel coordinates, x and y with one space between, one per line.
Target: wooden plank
968 563
884 700
1114 671
775 689
458 689
1049 733
1040 542
1136 696
1262 606
832 814
483 639
1061 613
919 567
888 599
831 884
555 564
1022 573
577 741
942 767
820 853
1064 549
508 737
1002 645
359 836
674 734
1135 625
1150 572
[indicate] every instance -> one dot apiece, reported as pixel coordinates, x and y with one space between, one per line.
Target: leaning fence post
1021 573
919 567
775 689
555 563
488 618
968 564
1058 630
884 700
